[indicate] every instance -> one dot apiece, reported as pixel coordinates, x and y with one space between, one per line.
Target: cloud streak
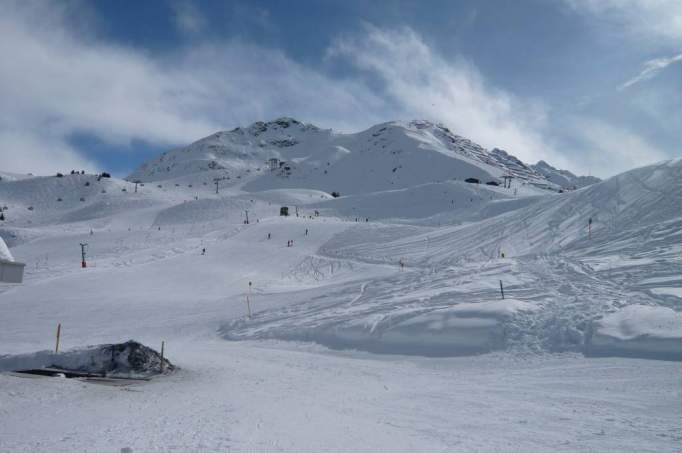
654 20
614 148
651 69
421 83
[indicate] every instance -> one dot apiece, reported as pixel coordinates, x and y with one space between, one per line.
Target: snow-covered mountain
563 178
387 156
407 261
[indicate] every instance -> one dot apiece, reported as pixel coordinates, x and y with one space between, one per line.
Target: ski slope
345 348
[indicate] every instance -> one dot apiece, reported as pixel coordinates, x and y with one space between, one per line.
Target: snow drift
639 331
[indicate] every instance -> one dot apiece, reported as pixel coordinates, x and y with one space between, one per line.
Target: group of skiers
290 242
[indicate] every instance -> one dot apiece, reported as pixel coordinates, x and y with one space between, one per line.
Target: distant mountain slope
563 178
387 156
633 213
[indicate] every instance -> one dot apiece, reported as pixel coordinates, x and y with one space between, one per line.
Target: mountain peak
391 155
281 124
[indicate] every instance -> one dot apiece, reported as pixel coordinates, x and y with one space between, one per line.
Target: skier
269 236
203 251
306 232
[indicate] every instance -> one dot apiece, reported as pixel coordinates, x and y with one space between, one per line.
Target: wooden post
248 301
59 334
502 289
163 344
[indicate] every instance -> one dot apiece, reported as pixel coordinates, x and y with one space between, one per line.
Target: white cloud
54 83
651 68
421 83
613 149
654 20
188 18
39 154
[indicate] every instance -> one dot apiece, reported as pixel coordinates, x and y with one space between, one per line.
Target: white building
10 270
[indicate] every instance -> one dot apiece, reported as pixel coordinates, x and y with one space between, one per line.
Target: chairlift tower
507 180
83 246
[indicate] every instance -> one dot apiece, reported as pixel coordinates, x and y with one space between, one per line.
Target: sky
593 86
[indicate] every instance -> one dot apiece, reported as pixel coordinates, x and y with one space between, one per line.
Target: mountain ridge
394 154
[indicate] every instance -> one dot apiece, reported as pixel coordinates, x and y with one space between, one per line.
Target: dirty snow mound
123 359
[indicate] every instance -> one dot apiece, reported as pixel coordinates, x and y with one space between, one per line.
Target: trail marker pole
83 245
59 334
589 228
216 185
248 301
502 289
163 344
247 216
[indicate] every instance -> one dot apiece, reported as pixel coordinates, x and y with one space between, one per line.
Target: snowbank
463 329
4 251
639 331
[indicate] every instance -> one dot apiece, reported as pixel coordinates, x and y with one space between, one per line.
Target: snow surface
346 349
275 397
